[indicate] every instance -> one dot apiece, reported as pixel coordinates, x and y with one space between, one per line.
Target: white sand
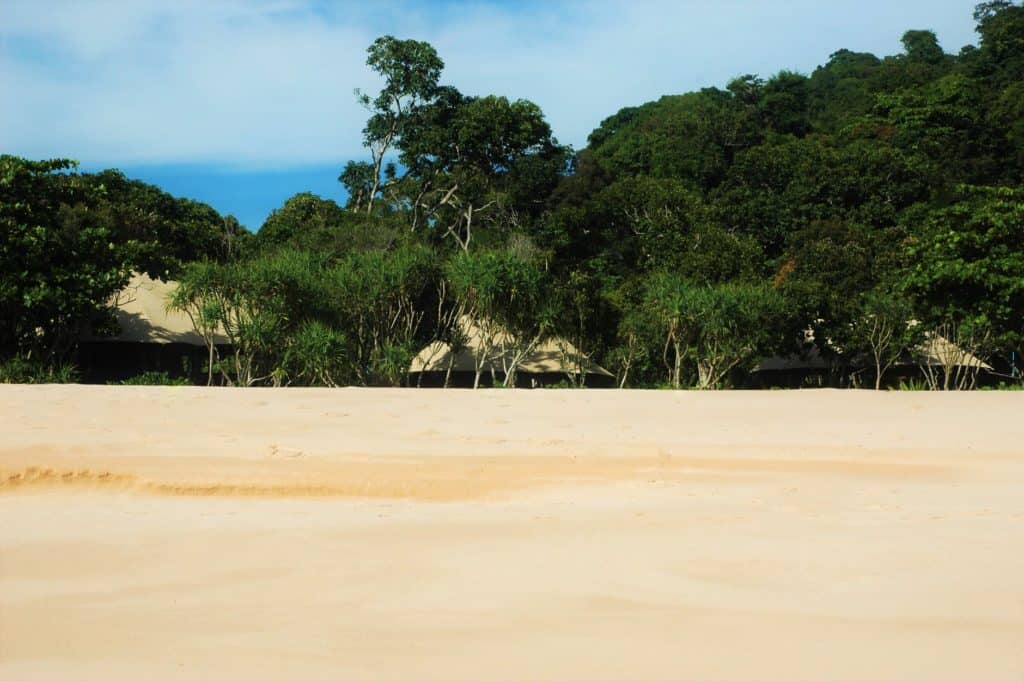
382 534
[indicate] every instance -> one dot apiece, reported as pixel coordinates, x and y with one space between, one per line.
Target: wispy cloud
269 83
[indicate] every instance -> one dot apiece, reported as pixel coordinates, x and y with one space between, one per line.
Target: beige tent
142 314
935 352
550 362
939 351
151 337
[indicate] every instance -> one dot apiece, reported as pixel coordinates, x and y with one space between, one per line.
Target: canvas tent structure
552 361
936 355
150 337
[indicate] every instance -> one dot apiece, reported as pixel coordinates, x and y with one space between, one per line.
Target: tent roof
142 314
555 355
940 351
936 351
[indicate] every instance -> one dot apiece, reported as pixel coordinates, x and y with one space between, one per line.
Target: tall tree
60 265
411 70
967 265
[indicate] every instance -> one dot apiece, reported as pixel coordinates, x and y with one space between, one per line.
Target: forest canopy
854 212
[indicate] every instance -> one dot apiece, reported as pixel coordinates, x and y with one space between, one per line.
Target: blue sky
243 103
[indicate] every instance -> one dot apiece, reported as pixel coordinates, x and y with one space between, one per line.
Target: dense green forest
875 202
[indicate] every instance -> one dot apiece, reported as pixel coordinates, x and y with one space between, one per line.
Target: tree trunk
377 161
451 363
677 369
209 368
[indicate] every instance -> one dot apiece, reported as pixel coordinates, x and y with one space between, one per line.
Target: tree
526 315
411 70
317 355
474 160
692 137
785 103
966 267
358 179
842 90
986 11
465 160
257 305
293 317
733 326
299 220
826 272
60 266
666 299
383 302
884 329
166 231
307 222
1000 25
506 301
718 328
923 46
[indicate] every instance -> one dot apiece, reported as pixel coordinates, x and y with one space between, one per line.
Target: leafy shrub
153 378
913 384
23 370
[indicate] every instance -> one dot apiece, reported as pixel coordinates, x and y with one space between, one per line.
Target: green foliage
508 300
691 137
386 301
316 354
69 241
883 330
785 104
1005 386
299 221
828 269
294 317
357 177
154 378
694 235
923 46
718 329
968 264
253 304
1001 27
308 222
478 161
735 325
913 385
21 369
410 70
843 89
167 231
58 274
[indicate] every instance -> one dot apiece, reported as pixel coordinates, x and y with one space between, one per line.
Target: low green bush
23 370
153 378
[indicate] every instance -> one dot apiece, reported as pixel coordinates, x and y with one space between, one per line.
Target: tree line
860 211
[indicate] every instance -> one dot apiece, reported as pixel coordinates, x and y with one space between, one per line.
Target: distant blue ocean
249 195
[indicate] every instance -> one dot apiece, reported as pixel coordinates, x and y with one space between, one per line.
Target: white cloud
270 82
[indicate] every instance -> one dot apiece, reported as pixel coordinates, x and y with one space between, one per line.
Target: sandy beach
182 533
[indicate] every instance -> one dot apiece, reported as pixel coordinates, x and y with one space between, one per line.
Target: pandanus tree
713 329
507 302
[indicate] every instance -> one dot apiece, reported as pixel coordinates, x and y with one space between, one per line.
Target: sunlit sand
424 534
